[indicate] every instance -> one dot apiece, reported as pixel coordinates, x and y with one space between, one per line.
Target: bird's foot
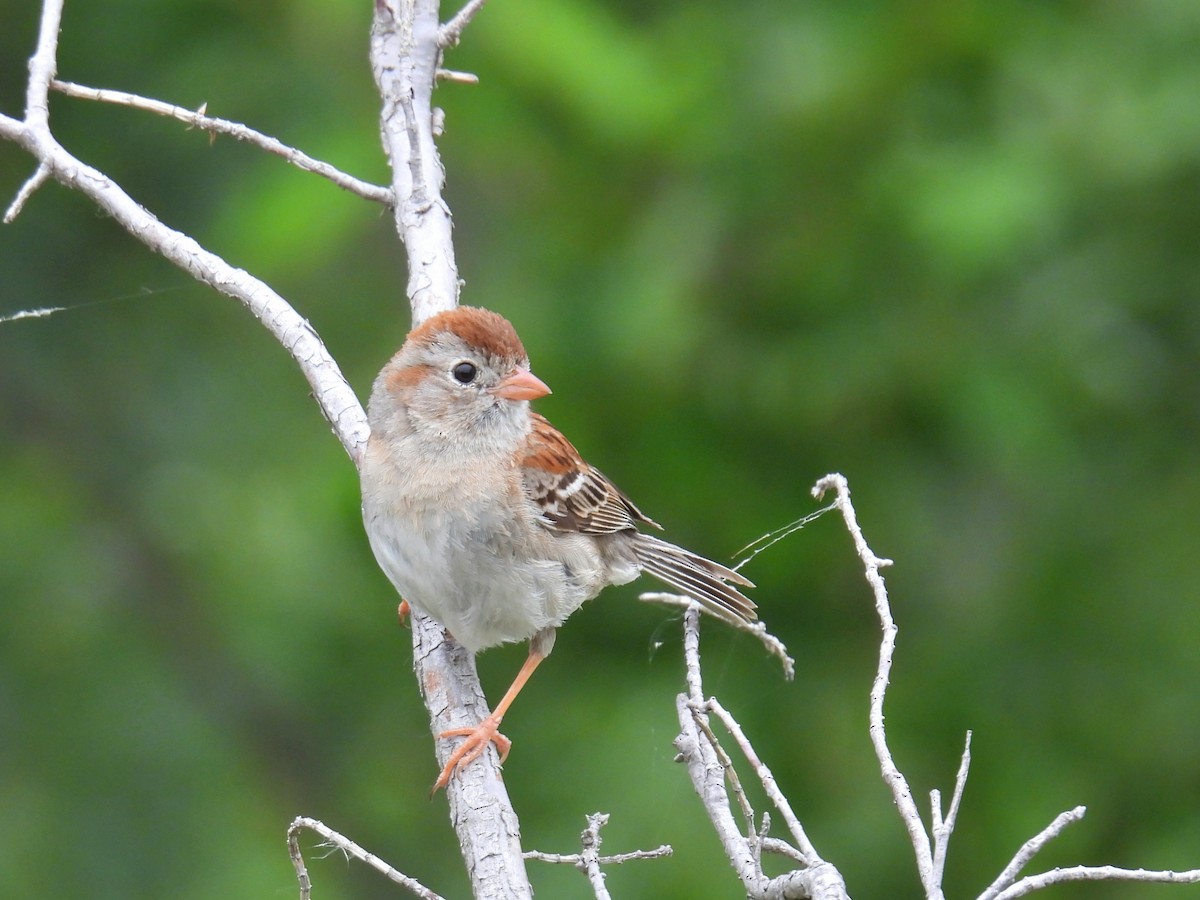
403 611
477 739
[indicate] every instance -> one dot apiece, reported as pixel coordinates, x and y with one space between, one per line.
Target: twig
42 67
779 848
616 859
590 854
808 853
39 313
1097 873
731 775
701 758
589 859
351 850
892 776
943 828
331 391
758 629
457 77
712 777
450 33
35 181
1030 849
197 119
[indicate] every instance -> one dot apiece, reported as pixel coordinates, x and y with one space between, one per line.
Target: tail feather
705 581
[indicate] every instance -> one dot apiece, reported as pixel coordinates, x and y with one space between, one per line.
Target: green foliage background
949 249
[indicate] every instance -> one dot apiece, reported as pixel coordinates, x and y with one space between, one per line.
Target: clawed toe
477 739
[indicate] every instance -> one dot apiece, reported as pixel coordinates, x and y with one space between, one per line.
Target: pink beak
522 385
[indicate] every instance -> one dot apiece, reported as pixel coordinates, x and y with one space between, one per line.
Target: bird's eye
464 372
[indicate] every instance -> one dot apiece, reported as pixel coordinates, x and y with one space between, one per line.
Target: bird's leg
487 731
403 611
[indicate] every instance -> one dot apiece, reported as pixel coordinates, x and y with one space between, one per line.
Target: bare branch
758 629
703 762
1097 873
808 852
616 859
779 848
589 860
457 77
404 60
450 33
710 770
197 119
731 775
1030 849
330 389
488 830
892 776
39 313
35 181
942 829
352 851
42 67
590 855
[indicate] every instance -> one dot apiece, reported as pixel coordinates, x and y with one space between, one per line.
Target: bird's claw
477 739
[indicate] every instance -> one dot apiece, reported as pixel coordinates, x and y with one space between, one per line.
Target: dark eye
464 372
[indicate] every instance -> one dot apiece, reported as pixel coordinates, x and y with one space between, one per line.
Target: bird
487 519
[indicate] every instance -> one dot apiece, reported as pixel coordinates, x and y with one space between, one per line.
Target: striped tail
706 582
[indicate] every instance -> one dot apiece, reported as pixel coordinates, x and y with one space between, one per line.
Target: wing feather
573 496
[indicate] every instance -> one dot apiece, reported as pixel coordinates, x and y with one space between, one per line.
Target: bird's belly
487 584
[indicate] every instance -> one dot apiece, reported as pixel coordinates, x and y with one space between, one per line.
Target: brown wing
574 496
570 494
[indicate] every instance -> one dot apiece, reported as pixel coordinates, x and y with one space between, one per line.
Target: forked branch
719 787
331 840
589 860
198 120
931 863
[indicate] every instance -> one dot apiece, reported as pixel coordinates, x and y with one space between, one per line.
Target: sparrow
485 518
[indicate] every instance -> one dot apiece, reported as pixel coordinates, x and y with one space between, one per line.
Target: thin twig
807 850
35 181
1097 873
450 33
943 828
1030 849
351 850
589 860
197 119
293 332
457 77
616 859
892 776
39 313
780 848
1006 887
691 653
731 775
712 776
758 629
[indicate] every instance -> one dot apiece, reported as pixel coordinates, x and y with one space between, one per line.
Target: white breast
456 550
